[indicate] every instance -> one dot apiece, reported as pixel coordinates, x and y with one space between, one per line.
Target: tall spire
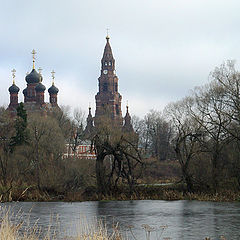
108 61
108 99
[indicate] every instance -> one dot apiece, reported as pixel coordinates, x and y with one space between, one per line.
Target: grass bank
18 230
141 192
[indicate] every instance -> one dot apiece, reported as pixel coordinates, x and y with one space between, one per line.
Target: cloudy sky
162 48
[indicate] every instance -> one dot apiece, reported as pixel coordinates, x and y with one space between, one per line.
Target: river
188 220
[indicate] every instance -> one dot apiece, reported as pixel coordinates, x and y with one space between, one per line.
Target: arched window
116 87
109 64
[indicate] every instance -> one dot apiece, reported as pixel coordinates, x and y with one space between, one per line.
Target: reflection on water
188 220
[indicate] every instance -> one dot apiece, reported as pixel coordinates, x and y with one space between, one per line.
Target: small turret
89 127
53 91
13 90
127 127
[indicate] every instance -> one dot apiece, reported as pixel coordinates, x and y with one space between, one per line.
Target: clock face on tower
105 71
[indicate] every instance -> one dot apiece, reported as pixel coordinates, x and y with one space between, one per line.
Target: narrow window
117 109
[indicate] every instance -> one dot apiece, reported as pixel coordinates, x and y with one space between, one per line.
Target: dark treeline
195 141
201 132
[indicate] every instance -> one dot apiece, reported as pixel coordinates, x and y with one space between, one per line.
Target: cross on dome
13 75
53 76
34 57
40 70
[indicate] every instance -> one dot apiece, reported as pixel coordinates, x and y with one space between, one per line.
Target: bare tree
45 148
187 132
210 106
122 148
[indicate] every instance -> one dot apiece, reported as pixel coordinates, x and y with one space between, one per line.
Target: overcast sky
162 48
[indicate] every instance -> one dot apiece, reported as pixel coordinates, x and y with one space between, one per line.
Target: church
108 99
34 93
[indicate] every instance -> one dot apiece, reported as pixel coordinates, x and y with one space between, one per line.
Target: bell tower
108 99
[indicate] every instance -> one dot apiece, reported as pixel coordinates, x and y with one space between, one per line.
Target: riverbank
168 192
18 231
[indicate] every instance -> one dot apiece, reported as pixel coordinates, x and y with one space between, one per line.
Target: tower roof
127 122
107 54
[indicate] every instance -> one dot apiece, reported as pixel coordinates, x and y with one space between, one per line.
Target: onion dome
25 91
40 87
33 77
53 89
14 89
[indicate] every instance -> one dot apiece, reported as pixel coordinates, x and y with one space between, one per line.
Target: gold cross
40 70
33 55
13 75
53 76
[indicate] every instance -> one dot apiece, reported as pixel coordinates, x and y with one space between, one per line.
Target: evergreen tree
22 135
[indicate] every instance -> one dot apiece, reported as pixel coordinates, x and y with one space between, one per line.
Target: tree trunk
100 174
187 179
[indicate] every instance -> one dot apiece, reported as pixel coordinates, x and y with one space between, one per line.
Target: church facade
33 93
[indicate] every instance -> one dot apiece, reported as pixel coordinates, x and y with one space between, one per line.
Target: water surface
188 220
